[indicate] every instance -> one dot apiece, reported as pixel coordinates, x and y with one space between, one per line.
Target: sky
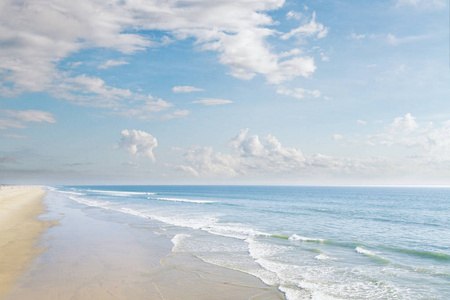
336 92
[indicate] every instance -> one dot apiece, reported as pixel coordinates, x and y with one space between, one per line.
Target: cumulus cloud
19 118
138 142
112 63
204 162
212 101
252 157
249 156
299 93
186 89
433 140
37 35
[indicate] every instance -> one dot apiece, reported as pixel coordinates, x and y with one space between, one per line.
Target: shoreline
102 254
20 230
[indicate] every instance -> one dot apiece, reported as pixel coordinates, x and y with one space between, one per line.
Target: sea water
309 242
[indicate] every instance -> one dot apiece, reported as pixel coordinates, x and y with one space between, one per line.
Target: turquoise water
310 242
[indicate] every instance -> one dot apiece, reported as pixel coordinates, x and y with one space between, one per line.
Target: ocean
309 242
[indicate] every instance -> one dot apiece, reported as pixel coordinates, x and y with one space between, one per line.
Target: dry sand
19 231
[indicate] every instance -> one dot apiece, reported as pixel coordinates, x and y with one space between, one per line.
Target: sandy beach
19 231
98 254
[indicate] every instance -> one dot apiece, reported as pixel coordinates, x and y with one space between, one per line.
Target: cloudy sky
224 92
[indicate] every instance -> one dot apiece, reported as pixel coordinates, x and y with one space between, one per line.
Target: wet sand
97 254
19 231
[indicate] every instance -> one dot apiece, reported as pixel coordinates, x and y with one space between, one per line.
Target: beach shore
19 231
101 254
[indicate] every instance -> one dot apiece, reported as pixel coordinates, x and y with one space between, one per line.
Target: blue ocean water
310 242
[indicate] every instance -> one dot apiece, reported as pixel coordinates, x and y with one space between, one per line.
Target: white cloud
75 64
37 116
248 54
299 93
393 40
14 136
138 142
307 30
186 89
130 164
432 141
421 3
355 36
94 92
38 34
404 124
176 114
204 162
18 118
212 101
294 15
290 53
249 156
112 63
144 108
361 122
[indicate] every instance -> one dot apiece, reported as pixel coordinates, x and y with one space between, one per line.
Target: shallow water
310 242
97 253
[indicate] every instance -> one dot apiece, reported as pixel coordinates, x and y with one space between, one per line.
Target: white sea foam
322 256
204 222
90 202
185 200
120 193
234 230
177 240
365 251
72 193
296 237
188 222
293 293
133 212
259 249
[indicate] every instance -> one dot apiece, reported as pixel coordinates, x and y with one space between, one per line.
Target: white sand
19 231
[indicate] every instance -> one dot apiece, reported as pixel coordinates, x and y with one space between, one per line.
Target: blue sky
225 92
